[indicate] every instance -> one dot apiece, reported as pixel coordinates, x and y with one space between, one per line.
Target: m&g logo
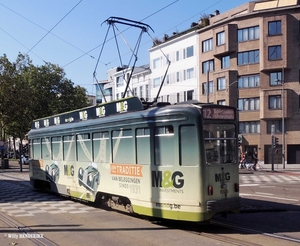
167 179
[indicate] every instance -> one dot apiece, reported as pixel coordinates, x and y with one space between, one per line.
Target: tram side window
69 148
122 146
143 145
164 145
57 149
36 148
83 144
101 147
188 146
46 148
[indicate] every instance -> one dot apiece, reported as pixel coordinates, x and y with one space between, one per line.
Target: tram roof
122 106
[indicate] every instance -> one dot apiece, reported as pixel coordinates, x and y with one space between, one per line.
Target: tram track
227 233
252 231
17 231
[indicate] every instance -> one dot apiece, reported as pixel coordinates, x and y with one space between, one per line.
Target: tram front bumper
229 204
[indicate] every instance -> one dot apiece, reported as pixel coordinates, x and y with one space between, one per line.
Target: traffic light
275 143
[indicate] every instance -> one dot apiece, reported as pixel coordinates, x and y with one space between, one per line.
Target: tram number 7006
224 192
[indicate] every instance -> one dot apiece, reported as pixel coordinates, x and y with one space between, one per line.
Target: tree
29 92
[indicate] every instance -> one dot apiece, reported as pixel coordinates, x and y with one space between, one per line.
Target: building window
188 52
120 81
208 66
275 52
167 59
147 92
225 63
211 87
248 57
135 91
157 63
190 95
275 78
141 91
221 102
221 83
248 81
249 127
167 79
177 55
156 82
207 45
220 38
246 104
177 76
277 126
188 74
250 33
275 102
274 28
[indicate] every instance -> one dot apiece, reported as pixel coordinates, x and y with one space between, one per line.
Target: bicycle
259 166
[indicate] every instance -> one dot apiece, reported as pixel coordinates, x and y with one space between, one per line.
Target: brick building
252 53
249 58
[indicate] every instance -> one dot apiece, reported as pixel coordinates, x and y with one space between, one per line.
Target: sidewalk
14 166
289 168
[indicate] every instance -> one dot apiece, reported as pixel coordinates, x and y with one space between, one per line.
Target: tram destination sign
94 112
218 113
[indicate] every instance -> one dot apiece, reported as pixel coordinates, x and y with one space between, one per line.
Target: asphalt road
269 216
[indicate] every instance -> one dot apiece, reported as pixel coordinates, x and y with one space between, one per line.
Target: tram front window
220 143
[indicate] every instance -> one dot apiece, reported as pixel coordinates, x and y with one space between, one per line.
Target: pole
283 128
207 86
272 146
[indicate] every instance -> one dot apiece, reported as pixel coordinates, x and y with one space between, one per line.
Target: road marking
249 184
262 193
273 197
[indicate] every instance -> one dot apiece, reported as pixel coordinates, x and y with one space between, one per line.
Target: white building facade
182 79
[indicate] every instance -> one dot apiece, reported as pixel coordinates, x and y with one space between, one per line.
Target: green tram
177 162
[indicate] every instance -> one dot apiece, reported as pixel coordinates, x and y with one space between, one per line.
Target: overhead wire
122 31
21 43
22 16
54 26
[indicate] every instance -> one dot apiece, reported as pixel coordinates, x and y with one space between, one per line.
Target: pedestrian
255 160
242 160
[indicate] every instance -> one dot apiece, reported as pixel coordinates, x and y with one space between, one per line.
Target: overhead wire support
111 22
128 22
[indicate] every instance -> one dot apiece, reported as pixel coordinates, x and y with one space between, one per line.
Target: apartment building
129 80
174 64
249 56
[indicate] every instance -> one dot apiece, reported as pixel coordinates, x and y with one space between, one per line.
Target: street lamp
282 124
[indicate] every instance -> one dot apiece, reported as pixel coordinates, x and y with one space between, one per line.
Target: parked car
25 159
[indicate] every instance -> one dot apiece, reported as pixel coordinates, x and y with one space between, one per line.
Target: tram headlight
210 190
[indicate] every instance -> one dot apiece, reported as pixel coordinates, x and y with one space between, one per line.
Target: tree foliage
29 92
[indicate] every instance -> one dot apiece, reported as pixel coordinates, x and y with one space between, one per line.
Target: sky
71 33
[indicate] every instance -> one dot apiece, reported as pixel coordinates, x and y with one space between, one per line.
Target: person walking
255 158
